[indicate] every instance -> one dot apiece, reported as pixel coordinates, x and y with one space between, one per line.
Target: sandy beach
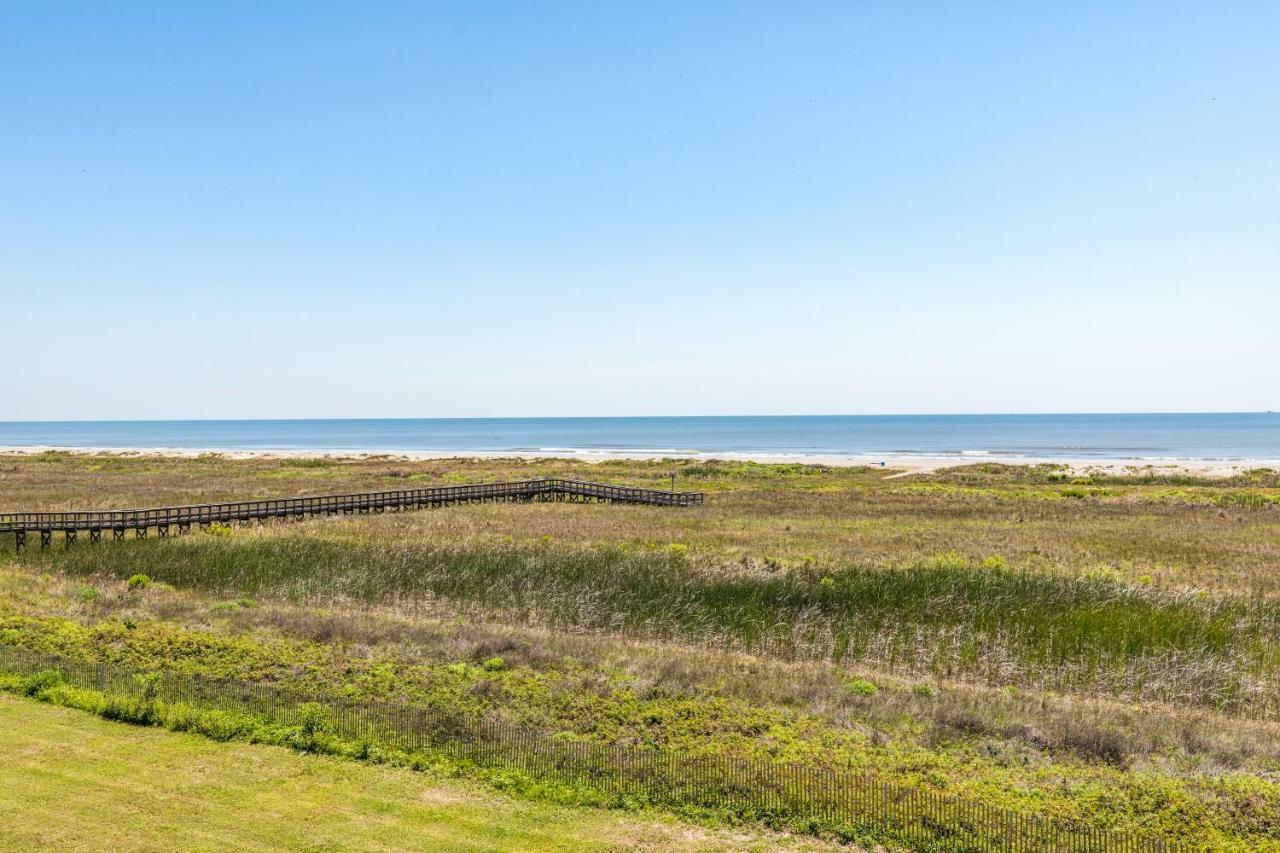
905 464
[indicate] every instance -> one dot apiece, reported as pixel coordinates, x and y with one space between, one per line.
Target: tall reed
944 616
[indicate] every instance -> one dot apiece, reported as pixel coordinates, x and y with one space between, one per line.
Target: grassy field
74 782
1095 648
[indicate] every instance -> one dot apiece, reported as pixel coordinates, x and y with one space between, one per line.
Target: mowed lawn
71 781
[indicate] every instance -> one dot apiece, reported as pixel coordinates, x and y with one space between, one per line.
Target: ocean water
1100 436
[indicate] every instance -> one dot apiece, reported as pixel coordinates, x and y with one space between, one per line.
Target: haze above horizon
232 211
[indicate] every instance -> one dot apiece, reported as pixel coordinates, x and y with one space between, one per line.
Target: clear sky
486 209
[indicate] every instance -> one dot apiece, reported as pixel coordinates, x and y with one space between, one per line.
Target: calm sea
1162 436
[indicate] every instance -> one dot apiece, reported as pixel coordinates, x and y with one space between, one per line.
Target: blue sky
488 209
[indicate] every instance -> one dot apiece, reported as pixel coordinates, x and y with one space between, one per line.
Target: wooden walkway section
165 519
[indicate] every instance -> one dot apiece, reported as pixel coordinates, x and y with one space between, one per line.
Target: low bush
862 687
35 684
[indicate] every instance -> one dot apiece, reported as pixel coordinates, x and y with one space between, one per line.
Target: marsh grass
944 616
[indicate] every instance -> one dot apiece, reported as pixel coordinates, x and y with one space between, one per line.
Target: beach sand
905 465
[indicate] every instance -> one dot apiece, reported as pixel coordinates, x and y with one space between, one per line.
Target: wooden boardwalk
165 519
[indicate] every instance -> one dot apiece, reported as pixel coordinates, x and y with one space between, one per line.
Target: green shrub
33 685
142 709
493 664
862 687
138 581
217 529
313 723
67 696
318 462
148 685
1248 500
220 725
181 717
128 709
86 593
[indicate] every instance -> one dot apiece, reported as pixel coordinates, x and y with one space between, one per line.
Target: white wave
669 451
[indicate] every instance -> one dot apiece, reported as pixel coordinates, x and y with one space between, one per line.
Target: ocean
1229 436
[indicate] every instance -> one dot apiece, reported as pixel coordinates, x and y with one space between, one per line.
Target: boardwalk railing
855 805
162 519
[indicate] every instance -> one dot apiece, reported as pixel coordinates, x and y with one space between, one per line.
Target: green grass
75 782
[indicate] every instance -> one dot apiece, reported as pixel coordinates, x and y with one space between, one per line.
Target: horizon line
637 417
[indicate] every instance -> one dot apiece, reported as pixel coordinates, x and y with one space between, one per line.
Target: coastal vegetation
1093 647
